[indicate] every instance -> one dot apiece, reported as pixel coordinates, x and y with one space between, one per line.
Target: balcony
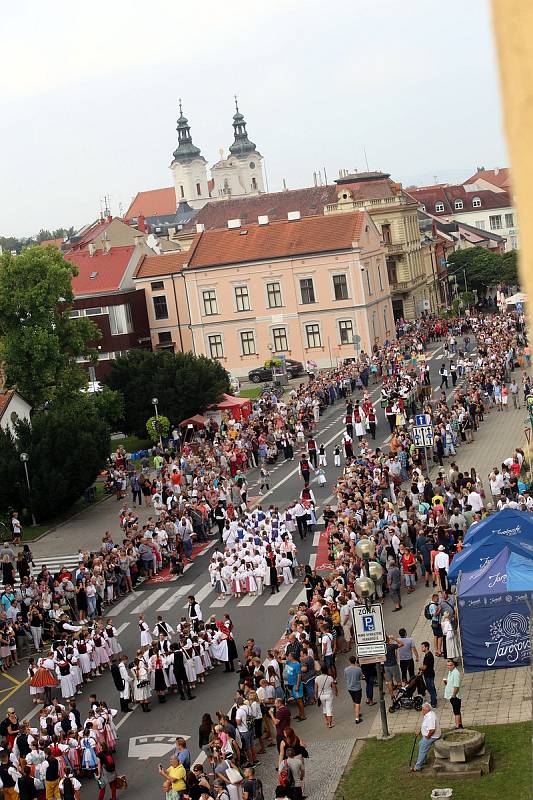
395 249
401 287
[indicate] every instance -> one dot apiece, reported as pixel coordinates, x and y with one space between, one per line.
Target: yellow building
394 213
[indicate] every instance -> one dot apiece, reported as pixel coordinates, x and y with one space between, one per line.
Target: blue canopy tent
494 613
507 528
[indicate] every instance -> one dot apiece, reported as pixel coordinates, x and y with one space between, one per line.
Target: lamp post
24 457
155 401
365 587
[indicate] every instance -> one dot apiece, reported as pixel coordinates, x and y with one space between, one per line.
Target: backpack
285 775
427 612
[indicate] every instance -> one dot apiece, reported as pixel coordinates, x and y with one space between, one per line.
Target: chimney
200 227
262 219
109 218
141 224
92 249
106 245
138 239
292 215
234 223
496 171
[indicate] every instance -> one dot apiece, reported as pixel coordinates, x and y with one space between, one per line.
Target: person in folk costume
322 459
272 571
66 677
177 673
100 653
111 733
75 669
141 684
146 636
188 660
359 424
45 678
227 628
238 585
194 612
36 692
220 584
122 680
198 662
163 645
337 456
259 575
69 785
158 676
205 643
111 638
347 443
162 627
372 421
88 749
249 577
83 650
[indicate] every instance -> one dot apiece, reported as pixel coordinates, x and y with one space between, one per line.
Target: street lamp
24 457
365 587
155 401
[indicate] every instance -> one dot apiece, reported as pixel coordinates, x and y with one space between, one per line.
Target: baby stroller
403 696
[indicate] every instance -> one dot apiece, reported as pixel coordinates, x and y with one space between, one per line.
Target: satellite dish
153 243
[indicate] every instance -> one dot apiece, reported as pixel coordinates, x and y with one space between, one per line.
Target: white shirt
430 723
241 718
475 502
442 561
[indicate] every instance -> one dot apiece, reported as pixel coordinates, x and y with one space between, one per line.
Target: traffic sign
369 630
422 419
423 436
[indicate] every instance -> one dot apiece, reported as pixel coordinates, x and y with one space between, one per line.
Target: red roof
500 177
5 399
107 269
153 203
164 264
53 242
428 196
82 238
284 239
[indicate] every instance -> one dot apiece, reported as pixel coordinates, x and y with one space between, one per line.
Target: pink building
301 287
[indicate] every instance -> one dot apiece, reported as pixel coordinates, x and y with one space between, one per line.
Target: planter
441 794
459 745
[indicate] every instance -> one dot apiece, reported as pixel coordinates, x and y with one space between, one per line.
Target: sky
89 96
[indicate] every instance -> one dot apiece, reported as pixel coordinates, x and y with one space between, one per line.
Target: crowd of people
416 524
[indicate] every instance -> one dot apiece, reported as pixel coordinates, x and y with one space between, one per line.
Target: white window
458 205
120 319
210 302
509 220
247 343
480 224
242 298
73 313
279 340
495 222
422 208
93 312
312 333
345 331
476 202
380 279
216 349
274 295
340 287
439 207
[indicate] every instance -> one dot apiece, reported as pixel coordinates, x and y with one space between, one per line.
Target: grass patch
252 393
31 533
131 444
381 769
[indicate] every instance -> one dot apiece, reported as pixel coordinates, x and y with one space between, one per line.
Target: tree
158 427
68 446
39 341
184 385
483 268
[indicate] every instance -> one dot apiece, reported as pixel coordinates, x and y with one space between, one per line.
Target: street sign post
422 419
369 632
423 436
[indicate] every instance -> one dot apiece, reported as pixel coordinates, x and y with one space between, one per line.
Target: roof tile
108 269
153 203
164 264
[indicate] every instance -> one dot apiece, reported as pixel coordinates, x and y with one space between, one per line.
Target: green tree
68 446
39 341
158 427
184 385
12 481
510 274
482 267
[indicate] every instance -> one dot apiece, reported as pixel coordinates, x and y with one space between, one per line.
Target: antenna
314 179
325 176
319 178
284 185
366 159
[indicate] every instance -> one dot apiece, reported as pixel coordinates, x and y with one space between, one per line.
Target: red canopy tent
238 407
197 421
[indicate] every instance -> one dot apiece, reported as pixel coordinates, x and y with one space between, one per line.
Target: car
294 369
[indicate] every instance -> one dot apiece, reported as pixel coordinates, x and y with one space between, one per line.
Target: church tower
189 168
241 173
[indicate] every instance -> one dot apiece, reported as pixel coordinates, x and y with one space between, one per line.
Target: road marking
276 599
202 594
220 603
122 628
171 601
12 691
152 597
247 601
301 598
316 537
122 606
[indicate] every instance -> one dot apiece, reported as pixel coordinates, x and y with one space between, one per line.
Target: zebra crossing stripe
123 605
152 597
174 597
276 599
122 628
201 594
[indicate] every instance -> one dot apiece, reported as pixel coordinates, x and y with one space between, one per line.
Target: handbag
121 782
100 781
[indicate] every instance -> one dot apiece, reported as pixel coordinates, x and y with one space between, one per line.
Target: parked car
294 369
